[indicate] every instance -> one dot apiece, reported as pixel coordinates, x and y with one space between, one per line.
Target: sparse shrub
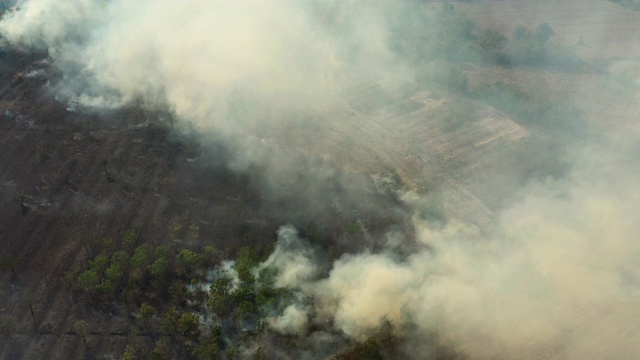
10 263
7 326
81 328
194 231
129 353
129 239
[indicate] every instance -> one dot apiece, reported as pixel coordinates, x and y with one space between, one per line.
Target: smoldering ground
554 276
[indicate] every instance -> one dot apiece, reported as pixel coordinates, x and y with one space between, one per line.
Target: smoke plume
557 278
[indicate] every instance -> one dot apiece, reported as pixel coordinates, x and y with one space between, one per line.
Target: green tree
544 32
81 328
120 258
185 260
178 293
87 281
209 346
141 256
129 239
160 268
210 251
99 263
188 325
220 294
266 293
163 251
107 288
246 262
169 323
107 244
114 273
146 311
160 350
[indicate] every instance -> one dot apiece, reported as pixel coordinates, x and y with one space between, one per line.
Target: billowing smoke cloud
201 58
242 72
558 277
292 258
293 321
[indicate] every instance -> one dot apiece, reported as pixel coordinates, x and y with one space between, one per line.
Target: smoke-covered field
446 181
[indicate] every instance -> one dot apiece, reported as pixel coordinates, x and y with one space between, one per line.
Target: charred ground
71 179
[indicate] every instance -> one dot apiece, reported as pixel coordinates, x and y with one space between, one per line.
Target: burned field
70 180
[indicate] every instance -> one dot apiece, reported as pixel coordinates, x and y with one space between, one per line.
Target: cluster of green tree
528 104
234 318
442 42
192 306
424 34
631 4
126 272
165 286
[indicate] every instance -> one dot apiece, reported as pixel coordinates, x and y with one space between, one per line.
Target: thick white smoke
241 71
558 278
292 258
198 57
